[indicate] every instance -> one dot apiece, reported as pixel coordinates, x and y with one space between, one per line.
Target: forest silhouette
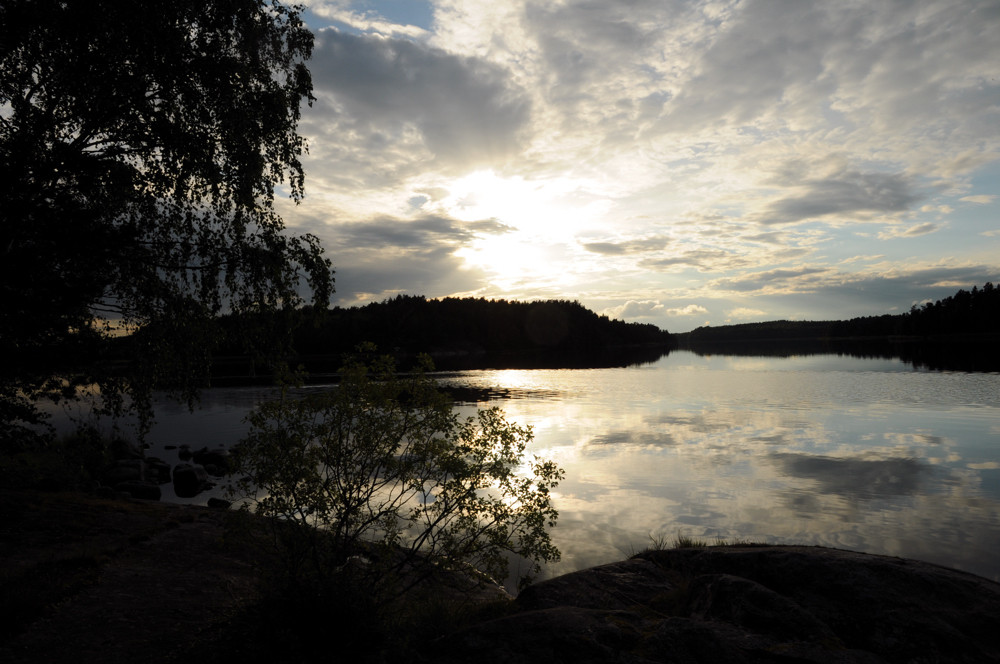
461 333
958 332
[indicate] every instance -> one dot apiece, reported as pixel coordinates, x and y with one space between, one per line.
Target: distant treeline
520 334
974 313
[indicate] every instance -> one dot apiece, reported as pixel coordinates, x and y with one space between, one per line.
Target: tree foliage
382 466
416 324
141 151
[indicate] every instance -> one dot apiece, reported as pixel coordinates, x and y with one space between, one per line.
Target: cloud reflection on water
855 477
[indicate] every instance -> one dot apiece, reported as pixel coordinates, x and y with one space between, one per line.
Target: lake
856 453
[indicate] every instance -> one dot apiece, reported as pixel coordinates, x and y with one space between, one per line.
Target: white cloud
710 152
634 309
743 313
689 310
981 199
364 21
388 109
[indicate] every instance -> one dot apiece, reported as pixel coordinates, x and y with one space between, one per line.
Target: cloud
627 247
912 231
689 310
982 199
367 21
744 71
856 477
652 309
745 313
386 255
862 258
665 152
431 231
376 95
830 294
635 309
848 193
782 279
703 260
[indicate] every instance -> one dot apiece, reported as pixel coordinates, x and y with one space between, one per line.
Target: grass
661 542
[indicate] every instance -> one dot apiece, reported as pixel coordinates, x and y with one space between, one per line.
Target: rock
184 453
744 604
189 479
157 470
218 503
124 470
615 586
217 459
139 489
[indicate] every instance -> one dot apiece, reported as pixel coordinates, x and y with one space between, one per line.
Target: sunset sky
678 162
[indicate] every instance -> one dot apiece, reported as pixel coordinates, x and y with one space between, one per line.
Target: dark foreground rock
744 604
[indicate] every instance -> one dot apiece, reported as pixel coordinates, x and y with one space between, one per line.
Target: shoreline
159 582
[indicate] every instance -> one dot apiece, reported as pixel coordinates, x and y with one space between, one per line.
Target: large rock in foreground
745 604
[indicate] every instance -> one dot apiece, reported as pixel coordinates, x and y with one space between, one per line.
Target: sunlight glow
542 216
553 208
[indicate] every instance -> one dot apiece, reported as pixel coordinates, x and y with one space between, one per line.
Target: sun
553 208
542 218
508 259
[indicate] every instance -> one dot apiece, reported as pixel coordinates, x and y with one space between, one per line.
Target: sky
675 162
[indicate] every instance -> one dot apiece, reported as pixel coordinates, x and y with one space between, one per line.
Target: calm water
861 454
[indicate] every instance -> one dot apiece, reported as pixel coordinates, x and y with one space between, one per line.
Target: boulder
124 470
189 479
744 604
216 461
140 489
157 470
218 503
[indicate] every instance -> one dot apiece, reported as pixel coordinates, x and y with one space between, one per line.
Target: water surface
863 454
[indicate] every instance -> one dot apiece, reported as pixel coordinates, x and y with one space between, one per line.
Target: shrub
382 478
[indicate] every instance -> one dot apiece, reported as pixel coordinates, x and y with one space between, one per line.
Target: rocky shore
745 604
91 580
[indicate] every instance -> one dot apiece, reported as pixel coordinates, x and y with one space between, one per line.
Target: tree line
469 327
968 312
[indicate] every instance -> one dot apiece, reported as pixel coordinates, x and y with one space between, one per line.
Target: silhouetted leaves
141 148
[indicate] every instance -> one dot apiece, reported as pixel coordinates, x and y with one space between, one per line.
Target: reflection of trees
935 355
957 333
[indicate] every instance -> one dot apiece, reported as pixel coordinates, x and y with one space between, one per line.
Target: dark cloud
749 64
465 109
856 477
421 233
827 294
882 292
627 246
770 237
770 278
576 38
370 276
843 194
703 260
384 256
634 438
